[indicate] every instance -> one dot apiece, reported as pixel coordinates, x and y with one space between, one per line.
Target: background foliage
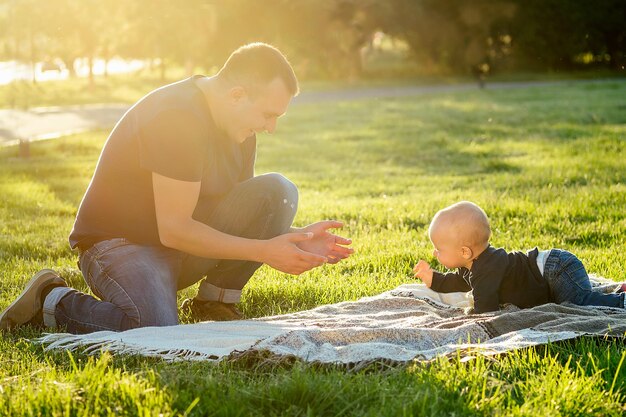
324 38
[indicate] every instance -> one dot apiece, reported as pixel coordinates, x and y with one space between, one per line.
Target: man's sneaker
28 308
199 310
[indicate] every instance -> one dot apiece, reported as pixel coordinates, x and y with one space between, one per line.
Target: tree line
323 38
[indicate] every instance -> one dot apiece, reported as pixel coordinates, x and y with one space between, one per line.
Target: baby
460 234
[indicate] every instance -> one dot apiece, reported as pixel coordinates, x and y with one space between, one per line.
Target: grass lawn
547 164
127 88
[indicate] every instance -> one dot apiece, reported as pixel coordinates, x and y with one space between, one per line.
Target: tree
25 37
453 35
165 31
605 32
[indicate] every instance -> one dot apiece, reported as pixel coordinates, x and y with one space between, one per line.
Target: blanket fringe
75 342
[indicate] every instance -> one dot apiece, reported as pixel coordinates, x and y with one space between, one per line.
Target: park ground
545 162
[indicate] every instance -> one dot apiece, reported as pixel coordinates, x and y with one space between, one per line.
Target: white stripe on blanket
409 322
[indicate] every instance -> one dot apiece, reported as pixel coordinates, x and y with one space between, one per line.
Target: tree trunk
106 58
91 76
69 64
31 41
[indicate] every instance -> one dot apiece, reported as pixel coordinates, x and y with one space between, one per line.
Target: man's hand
424 272
324 243
284 254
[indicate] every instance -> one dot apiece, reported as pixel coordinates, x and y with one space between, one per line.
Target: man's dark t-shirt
498 277
170 132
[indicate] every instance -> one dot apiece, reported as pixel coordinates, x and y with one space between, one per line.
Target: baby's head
460 233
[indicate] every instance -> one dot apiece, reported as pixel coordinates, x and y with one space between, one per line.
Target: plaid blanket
409 322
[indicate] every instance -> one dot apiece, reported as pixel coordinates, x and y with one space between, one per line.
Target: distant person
460 234
174 200
480 72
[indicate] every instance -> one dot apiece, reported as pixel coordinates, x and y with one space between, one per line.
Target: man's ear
466 252
237 93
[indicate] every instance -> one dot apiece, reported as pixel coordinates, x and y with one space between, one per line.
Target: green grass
128 88
545 163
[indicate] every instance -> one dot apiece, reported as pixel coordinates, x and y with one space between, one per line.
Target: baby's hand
424 272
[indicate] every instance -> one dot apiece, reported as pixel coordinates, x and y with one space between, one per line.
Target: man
174 200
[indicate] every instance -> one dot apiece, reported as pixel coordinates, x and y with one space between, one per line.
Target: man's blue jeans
569 282
137 284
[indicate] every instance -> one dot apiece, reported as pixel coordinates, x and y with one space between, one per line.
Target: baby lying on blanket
460 234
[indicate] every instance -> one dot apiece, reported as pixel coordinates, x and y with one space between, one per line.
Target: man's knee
155 311
283 191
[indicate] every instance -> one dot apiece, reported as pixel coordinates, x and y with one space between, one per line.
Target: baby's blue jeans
569 282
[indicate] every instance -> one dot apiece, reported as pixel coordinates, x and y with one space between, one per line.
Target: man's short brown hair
257 64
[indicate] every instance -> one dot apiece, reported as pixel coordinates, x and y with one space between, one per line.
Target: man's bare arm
175 202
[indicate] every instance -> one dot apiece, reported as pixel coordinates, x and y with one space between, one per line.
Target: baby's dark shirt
498 277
